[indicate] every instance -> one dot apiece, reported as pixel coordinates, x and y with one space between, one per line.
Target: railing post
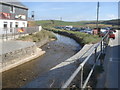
95 55
14 33
101 46
6 33
81 83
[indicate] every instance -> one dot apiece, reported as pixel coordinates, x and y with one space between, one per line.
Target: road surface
113 63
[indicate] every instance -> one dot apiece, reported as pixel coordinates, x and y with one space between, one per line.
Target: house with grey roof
13 14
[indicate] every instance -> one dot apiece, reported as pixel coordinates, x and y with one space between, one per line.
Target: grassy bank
39 36
81 38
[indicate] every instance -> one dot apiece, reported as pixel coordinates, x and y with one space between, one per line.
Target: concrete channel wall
15 53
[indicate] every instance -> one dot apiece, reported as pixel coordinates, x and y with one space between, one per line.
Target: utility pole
60 18
97 15
32 16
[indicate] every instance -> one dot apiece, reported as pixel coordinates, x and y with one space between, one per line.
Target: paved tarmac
112 70
110 77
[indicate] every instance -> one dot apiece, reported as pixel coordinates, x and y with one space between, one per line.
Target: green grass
91 24
80 37
60 23
39 36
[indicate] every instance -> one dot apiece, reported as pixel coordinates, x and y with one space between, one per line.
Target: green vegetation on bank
81 38
39 36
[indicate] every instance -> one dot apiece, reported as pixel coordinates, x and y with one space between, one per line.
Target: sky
72 11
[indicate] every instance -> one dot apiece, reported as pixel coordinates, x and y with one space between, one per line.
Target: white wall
20 24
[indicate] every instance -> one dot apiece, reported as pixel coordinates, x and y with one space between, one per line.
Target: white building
12 15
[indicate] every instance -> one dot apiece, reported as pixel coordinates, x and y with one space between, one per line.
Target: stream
56 52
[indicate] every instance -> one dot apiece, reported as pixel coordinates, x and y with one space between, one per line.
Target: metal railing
13 33
83 83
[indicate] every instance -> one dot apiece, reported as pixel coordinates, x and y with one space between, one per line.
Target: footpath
110 77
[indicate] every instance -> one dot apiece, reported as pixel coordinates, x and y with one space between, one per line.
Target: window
16 24
5 25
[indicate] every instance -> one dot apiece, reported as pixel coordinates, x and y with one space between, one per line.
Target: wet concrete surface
56 52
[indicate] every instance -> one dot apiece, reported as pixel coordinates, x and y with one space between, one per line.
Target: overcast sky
72 11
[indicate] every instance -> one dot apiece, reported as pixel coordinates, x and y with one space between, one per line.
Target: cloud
112 16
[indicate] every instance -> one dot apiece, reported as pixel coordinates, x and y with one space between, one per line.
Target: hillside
112 22
61 23
107 23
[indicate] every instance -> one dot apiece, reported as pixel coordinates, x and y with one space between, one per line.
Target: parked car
111 35
103 30
83 31
112 30
57 27
67 28
102 34
89 31
74 29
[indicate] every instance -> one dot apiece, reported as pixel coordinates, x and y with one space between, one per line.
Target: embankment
15 53
81 38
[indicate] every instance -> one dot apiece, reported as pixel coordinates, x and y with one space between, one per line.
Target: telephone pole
97 15
61 18
32 16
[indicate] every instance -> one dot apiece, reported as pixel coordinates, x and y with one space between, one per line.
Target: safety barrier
13 33
83 83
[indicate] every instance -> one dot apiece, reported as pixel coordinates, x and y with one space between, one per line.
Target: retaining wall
20 53
43 42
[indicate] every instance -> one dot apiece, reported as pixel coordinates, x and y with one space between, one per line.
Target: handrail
90 72
13 33
67 83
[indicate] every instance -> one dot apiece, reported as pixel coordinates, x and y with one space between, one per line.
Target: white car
103 30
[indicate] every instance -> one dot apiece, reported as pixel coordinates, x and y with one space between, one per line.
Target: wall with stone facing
43 42
17 55
14 53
